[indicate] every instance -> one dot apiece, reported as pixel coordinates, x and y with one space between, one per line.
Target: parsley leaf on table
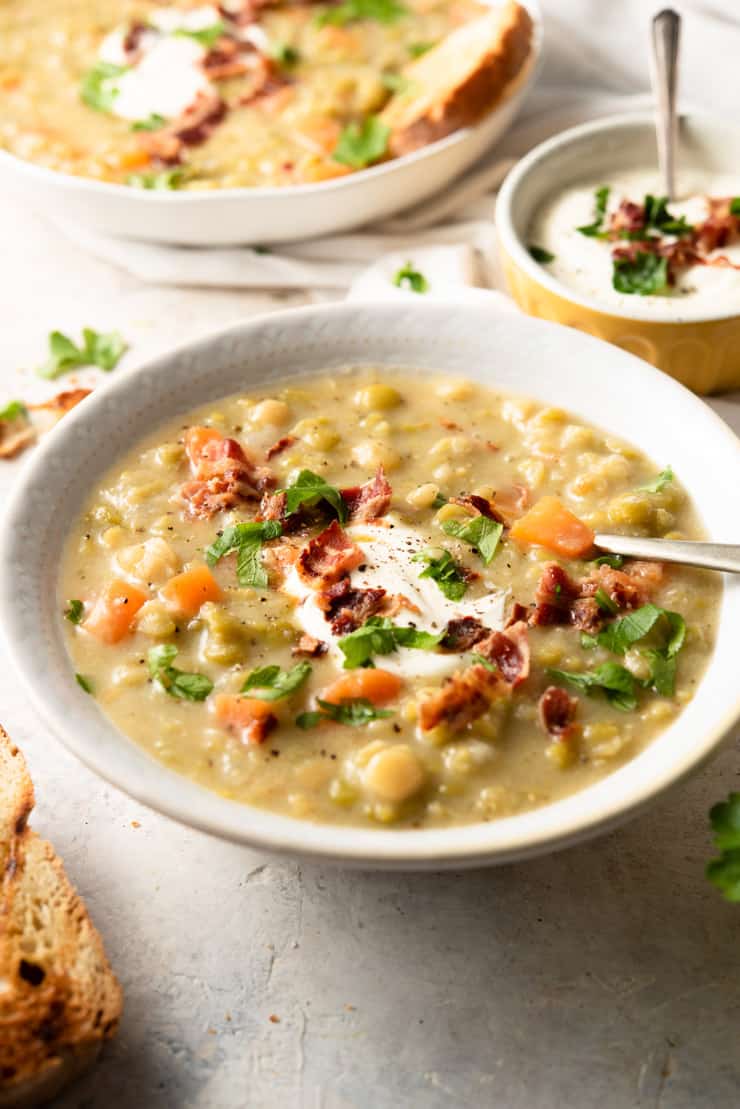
102 349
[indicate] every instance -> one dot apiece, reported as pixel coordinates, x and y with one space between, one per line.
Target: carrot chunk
249 717
113 612
376 686
187 591
550 524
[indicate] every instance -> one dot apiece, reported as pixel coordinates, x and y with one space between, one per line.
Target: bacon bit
557 712
509 650
280 558
279 447
554 596
396 603
192 128
628 217
309 646
450 425
628 591
132 41
224 474
478 506
518 612
369 501
16 435
560 600
222 60
268 80
513 500
328 557
463 633
347 608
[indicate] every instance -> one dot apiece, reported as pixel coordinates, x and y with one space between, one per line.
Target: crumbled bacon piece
268 81
554 596
560 600
328 557
509 650
479 506
398 602
272 506
450 425
308 646
280 446
223 60
223 473
192 128
369 501
557 712
347 608
627 589
16 435
628 217
463 633
132 41
518 613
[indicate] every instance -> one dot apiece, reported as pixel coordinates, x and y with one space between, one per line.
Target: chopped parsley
480 532
540 254
165 181
270 683
245 540
356 712
284 54
103 349
735 206
724 871
658 216
309 489
352 11
448 574
188 687
616 561
361 144
605 603
409 278
153 123
644 275
669 635
380 636
481 660
601 199
74 611
206 36
396 82
99 88
416 49
439 501
84 683
615 681
15 410
658 484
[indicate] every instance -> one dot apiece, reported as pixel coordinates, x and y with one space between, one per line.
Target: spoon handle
711 556
664 75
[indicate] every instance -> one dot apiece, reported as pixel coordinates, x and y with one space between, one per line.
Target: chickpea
454 390
154 619
153 561
377 397
372 454
394 774
423 496
273 412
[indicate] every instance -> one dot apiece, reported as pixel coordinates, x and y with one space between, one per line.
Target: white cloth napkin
595 65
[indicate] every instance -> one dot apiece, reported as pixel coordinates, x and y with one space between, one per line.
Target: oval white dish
512 352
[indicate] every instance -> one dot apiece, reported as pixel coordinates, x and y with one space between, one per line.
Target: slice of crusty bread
59 999
458 81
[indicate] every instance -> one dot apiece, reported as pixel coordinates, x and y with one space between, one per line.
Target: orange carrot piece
376 686
187 591
114 610
251 718
550 524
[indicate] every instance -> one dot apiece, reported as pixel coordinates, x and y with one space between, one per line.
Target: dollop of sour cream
168 77
389 551
585 264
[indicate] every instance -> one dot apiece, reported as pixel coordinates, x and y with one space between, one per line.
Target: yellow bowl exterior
703 355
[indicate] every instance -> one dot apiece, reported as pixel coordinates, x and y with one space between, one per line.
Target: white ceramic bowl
554 364
225 217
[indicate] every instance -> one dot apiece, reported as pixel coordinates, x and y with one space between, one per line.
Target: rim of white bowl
78 722
536 162
518 86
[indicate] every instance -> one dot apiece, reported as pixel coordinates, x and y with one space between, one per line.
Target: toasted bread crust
460 80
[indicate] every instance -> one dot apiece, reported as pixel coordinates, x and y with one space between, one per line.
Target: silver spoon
664 78
710 556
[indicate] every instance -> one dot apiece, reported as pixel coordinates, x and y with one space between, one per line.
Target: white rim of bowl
536 162
401 849
518 86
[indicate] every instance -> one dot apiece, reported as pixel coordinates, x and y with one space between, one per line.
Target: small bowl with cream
588 240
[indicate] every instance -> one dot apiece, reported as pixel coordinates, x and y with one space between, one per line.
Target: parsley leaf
103 349
480 532
601 198
284 54
409 278
84 683
447 573
356 712
98 88
206 36
15 410
439 500
646 275
735 206
396 82
361 144
614 560
380 636
246 541
178 683
308 489
165 181
351 11
416 49
481 660
152 123
658 484
658 216
270 683
620 635
540 254
724 872
74 611
616 682
605 603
